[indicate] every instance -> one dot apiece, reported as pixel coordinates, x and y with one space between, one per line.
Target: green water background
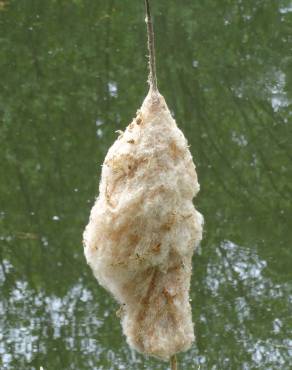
72 72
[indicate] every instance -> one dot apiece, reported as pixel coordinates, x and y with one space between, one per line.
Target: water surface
72 73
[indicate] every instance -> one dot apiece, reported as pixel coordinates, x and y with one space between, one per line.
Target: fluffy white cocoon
143 230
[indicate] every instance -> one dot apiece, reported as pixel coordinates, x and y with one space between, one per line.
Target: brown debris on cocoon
143 229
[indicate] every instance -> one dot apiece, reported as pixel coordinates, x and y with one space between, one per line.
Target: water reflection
237 296
72 74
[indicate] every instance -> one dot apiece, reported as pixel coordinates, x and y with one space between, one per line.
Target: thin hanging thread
173 363
151 48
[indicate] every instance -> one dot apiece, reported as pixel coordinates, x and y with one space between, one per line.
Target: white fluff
143 230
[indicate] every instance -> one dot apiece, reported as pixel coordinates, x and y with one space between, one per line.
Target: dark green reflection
72 73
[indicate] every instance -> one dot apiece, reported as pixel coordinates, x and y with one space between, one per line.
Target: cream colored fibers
143 229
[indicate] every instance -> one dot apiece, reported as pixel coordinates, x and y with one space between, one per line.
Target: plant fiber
143 230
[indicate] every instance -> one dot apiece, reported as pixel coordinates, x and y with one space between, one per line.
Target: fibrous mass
143 230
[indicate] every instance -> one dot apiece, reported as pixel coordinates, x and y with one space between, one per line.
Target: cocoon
143 229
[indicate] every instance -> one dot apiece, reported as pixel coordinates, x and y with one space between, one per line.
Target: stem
151 48
173 363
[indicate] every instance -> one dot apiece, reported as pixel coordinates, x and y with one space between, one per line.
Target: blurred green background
72 72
